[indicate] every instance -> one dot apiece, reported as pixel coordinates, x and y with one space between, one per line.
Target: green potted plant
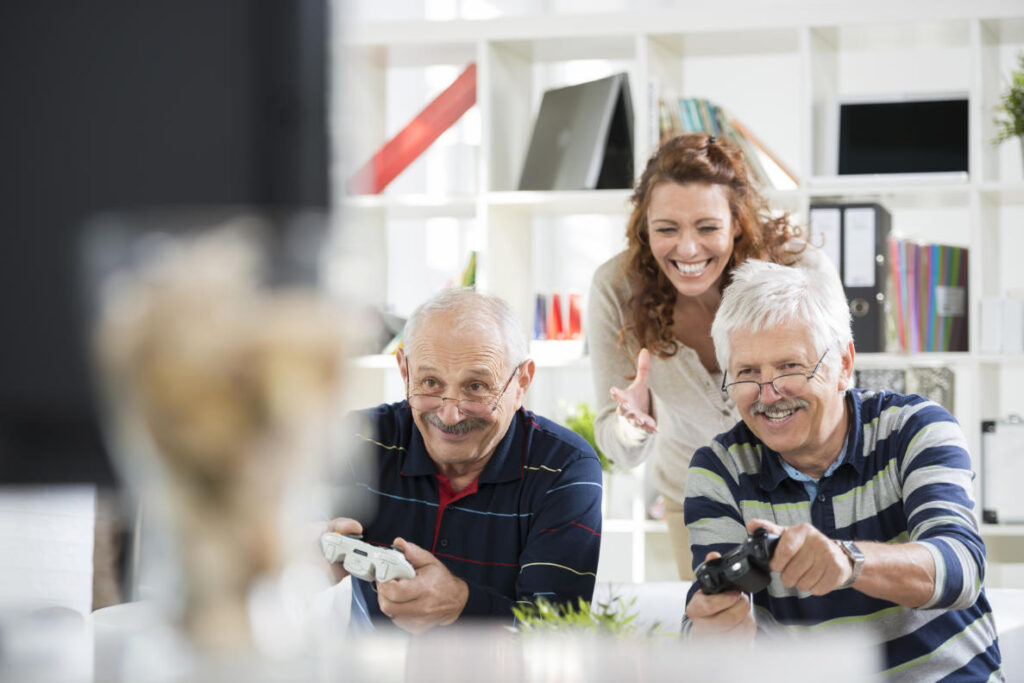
615 617
1010 110
581 420
617 499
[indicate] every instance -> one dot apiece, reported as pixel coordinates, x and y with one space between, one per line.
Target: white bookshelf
779 67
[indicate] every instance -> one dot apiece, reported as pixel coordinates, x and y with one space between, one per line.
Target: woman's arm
610 367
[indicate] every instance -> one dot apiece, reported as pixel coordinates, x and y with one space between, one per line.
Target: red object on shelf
575 319
401 150
555 329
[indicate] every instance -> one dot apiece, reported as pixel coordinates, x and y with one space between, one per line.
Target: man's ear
402 365
525 378
846 369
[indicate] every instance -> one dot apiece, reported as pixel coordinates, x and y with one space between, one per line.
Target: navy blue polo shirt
530 525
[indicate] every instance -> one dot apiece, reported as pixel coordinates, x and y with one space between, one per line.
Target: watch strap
856 556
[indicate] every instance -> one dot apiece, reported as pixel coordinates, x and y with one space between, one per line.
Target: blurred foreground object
219 390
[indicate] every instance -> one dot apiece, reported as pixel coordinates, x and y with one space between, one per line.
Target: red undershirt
447 495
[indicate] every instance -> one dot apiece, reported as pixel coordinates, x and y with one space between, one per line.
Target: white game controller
364 561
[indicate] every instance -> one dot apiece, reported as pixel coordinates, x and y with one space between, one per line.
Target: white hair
765 295
469 309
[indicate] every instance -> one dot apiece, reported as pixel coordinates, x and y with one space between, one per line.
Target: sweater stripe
906 478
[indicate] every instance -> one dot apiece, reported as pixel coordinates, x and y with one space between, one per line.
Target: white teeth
690 269
778 414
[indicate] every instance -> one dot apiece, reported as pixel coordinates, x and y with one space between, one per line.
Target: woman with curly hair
696 215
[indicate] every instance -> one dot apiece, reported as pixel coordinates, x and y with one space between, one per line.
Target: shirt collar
774 469
506 464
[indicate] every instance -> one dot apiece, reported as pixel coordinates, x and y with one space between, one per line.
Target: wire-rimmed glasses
470 407
788 385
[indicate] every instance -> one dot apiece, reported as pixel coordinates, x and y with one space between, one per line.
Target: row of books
700 115
927 307
556 318
905 295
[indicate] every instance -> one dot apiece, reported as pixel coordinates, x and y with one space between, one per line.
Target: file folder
1002 469
857 236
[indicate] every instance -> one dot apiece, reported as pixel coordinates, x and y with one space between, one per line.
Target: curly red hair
693 159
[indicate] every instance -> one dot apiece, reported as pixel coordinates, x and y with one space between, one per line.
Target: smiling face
691 233
808 428
463 363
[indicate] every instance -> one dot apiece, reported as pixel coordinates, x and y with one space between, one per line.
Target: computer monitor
925 134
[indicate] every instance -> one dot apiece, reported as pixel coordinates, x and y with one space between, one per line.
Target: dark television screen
114 104
922 136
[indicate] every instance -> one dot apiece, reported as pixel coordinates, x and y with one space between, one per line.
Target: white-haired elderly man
870 492
492 504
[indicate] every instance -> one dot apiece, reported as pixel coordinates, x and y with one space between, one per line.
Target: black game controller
745 567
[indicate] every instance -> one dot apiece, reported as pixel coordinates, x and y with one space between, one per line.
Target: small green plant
1010 110
611 618
581 420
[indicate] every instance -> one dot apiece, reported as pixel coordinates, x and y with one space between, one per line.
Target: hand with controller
744 567
364 561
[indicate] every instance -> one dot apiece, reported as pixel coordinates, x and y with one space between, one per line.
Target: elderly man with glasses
870 492
491 503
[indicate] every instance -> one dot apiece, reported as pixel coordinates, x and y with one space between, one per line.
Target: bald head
464 309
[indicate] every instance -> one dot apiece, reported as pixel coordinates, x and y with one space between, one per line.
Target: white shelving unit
778 66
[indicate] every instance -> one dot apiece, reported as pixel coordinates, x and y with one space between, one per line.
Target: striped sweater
530 525
906 476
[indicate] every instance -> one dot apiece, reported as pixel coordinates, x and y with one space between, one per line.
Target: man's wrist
856 558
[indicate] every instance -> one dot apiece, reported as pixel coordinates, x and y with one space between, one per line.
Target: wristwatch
856 559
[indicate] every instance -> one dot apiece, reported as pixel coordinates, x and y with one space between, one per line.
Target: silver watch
856 560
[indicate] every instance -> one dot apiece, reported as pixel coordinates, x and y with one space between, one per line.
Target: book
678 115
414 139
928 297
778 172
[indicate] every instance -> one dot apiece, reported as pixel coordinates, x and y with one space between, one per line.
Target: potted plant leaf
1010 110
615 618
618 480
581 420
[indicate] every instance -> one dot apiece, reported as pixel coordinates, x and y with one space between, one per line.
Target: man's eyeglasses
790 384
470 407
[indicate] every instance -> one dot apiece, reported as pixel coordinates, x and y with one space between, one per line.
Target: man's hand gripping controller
744 568
365 561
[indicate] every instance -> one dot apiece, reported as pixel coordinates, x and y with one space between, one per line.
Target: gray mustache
786 404
462 427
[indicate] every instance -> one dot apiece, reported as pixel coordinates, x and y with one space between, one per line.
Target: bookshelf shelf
615 202
415 205
780 67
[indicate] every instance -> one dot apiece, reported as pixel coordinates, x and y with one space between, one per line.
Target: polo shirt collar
505 465
772 471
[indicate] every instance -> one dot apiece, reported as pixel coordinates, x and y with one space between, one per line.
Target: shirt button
821 497
444 542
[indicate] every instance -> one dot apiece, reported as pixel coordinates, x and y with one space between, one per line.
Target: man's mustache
461 427
785 404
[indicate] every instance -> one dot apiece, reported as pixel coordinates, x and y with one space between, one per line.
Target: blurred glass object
219 359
